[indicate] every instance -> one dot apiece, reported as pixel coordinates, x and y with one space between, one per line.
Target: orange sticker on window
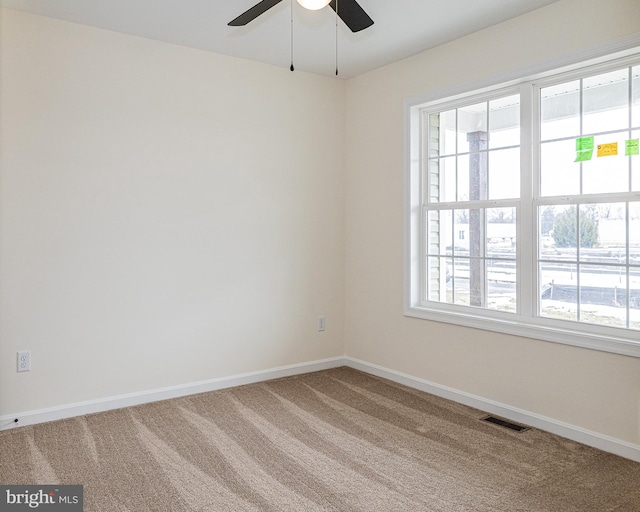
608 149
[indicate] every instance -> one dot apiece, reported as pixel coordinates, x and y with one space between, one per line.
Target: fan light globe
314 5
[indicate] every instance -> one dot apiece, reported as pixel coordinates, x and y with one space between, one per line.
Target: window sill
613 341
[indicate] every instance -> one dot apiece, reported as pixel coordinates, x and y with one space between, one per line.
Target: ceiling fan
349 11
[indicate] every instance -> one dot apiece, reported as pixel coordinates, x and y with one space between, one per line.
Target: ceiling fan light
314 5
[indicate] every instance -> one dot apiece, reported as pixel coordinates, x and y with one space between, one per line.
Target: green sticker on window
584 149
632 147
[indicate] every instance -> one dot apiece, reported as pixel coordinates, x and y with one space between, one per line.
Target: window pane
588 233
634 303
560 110
478 176
635 164
431 182
635 97
477 248
604 174
472 177
439 280
504 122
559 174
560 244
439 232
443 188
477 282
634 298
603 232
447 132
461 281
477 233
504 174
463 178
634 261
501 285
558 291
603 295
545 223
501 233
605 102
472 128
634 236
461 232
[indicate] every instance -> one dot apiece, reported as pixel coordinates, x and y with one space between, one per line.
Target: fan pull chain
291 68
336 37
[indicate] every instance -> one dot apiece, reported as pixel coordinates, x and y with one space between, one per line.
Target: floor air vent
505 424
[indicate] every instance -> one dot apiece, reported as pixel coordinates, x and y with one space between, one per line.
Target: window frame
525 322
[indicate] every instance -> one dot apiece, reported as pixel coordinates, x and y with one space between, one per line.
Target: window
471 187
523 207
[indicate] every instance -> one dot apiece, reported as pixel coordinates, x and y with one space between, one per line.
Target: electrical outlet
321 323
24 361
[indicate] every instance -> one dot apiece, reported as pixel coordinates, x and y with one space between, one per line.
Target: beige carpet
337 440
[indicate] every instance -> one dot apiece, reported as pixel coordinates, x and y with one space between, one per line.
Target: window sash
431 185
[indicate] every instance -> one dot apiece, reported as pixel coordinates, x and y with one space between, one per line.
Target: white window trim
607 339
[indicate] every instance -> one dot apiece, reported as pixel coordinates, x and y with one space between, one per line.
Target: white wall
167 215
588 389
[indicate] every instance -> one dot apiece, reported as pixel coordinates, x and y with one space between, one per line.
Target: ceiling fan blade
253 13
352 14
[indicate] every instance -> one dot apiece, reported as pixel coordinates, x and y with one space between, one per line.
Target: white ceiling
401 27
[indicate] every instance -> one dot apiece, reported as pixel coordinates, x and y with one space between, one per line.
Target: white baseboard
143 397
584 436
578 434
